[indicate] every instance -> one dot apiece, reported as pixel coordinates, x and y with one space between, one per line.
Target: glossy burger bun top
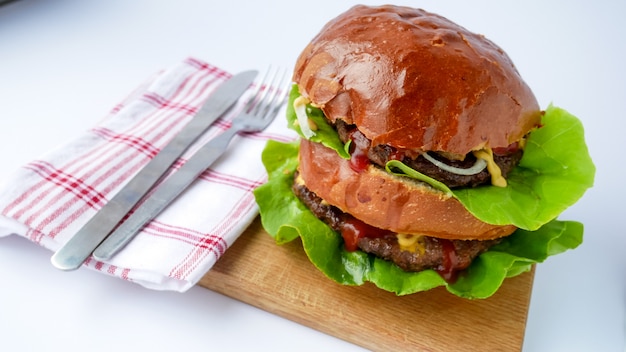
415 80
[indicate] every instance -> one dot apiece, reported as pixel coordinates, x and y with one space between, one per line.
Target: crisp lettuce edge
285 218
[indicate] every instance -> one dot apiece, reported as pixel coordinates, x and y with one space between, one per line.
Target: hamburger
424 158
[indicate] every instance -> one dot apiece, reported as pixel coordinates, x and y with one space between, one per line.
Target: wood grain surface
281 280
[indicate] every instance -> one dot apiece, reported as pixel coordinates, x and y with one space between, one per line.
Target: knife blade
160 199
71 255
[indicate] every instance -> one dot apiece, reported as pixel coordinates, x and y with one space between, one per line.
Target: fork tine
253 98
262 107
281 91
256 96
265 85
275 91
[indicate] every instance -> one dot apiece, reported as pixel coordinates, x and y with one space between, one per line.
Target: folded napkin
50 199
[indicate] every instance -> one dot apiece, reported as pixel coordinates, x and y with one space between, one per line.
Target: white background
65 64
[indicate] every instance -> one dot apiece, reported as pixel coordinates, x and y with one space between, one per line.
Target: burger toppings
475 169
411 243
486 155
452 172
409 252
306 125
359 150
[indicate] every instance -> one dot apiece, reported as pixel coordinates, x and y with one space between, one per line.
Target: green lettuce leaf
325 133
398 168
285 218
554 173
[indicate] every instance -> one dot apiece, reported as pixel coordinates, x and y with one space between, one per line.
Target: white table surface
64 64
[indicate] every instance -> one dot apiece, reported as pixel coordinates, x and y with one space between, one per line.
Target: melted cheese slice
411 243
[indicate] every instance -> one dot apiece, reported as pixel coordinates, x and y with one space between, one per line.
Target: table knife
71 255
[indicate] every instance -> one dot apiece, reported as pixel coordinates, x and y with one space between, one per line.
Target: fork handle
165 194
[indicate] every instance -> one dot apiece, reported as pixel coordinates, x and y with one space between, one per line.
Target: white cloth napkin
49 199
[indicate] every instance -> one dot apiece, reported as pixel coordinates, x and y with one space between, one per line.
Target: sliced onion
479 166
299 105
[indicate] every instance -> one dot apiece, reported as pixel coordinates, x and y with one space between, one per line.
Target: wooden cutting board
281 280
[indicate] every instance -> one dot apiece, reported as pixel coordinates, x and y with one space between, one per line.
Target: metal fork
259 111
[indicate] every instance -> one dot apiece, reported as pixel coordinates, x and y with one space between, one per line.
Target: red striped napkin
49 199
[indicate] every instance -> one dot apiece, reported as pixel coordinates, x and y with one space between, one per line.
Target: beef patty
381 154
435 253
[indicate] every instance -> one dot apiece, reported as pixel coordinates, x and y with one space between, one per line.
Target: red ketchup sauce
512 148
353 229
447 269
359 160
358 151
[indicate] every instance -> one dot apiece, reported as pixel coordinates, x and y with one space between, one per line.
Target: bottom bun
388 201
